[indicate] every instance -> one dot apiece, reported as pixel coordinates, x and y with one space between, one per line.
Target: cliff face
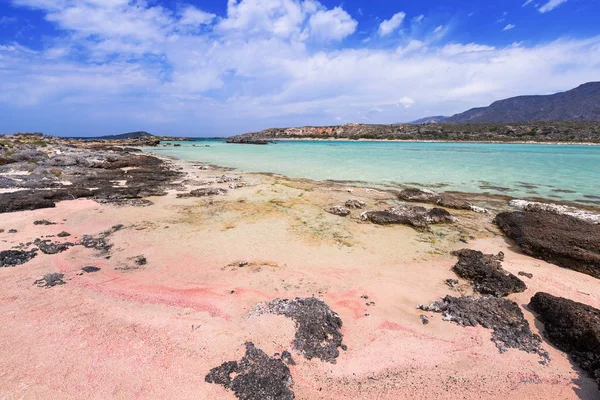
567 131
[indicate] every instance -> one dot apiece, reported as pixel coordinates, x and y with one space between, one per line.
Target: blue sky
213 68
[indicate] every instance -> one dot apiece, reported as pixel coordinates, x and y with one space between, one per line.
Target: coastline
142 329
433 141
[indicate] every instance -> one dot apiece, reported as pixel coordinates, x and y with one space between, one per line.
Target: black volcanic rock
558 239
255 377
572 327
486 273
579 104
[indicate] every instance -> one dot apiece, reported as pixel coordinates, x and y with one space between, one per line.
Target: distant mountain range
579 104
430 120
130 135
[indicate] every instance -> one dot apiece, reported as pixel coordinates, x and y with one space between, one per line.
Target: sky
224 67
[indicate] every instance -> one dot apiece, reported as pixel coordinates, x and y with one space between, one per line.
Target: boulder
559 239
572 327
486 274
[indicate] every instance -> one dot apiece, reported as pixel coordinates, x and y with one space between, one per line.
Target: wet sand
156 330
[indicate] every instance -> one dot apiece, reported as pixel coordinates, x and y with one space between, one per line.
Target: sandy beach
155 329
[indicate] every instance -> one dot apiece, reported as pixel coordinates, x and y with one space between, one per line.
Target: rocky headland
548 132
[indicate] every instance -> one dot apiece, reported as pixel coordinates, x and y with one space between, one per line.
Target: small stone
43 222
526 274
64 234
424 319
90 269
339 210
50 280
356 204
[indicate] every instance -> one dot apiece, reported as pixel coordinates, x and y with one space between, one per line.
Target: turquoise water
519 170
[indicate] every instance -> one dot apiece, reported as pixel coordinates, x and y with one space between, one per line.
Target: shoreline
432 141
394 188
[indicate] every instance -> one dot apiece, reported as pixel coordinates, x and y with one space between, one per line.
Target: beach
155 328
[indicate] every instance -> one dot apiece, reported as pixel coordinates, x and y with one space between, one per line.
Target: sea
549 171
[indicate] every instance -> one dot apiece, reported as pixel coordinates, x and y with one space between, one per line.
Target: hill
129 135
561 131
579 104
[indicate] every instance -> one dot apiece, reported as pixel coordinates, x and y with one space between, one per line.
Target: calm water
520 170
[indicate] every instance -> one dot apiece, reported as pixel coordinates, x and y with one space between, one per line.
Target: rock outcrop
572 327
317 326
503 316
415 216
486 274
556 238
255 377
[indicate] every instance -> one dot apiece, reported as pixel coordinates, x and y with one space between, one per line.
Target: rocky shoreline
191 243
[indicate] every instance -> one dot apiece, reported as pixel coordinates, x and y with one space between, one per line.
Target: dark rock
256 377
11 258
36 199
452 202
100 242
43 222
424 319
525 274
90 269
504 317
226 178
141 260
286 357
572 327
486 273
428 196
356 204
204 192
439 216
339 210
417 217
63 234
47 247
559 239
12 231
317 327
50 280
419 195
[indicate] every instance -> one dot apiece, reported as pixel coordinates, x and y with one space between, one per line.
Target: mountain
429 120
130 135
579 104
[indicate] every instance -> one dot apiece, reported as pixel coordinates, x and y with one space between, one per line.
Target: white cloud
551 5
528 2
333 24
406 102
195 17
390 25
263 64
438 29
453 49
509 27
418 19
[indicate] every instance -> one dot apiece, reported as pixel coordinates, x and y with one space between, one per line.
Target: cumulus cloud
509 27
333 24
390 25
551 5
195 17
262 64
